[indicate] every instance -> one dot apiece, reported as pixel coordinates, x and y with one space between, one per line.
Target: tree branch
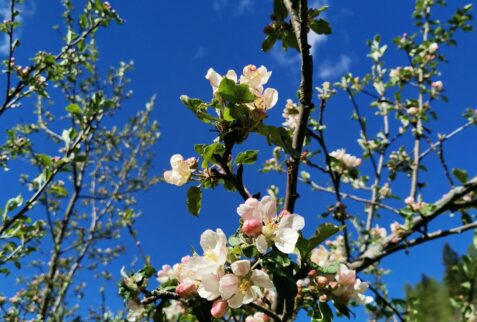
389 244
300 26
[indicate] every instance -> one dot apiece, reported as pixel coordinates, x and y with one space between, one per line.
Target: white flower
433 47
378 232
320 256
437 85
165 274
348 160
345 276
181 170
214 78
214 245
135 311
257 317
280 230
255 78
359 288
291 115
243 286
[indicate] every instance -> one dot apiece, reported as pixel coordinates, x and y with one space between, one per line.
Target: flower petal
228 286
286 239
261 244
241 267
260 278
293 221
268 208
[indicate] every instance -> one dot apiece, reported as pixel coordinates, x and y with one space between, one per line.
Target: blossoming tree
82 184
268 269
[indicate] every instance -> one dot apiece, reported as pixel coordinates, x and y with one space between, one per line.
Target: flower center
269 230
209 254
244 285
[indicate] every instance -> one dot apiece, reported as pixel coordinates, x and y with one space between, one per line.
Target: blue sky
173 43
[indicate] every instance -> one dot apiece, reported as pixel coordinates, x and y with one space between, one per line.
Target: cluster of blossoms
345 165
260 221
230 279
325 284
291 115
181 170
255 78
347 160
415 205
378 233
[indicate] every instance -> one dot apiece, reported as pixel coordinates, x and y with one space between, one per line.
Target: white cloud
27 9
200 53
291 58
329 69
239 6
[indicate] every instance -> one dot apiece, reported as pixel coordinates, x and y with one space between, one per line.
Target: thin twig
386 303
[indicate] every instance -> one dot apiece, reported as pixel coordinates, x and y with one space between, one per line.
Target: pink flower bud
252 227
323 298
312 273
409 201
219 308
186 289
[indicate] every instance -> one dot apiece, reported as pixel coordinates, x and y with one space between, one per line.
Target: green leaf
43 160
199 108
247 157
233 93
321 27
322 233
461 175
326 315
279 10
74 109
268 43
250 251
194 200
277 136
208 151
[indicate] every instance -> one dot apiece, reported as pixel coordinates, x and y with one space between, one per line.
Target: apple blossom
243 286
255 78
214 246
281 230
348 160
345 276
165 274
214 78
378 232
433 47
181 170
257 317
291 113
437 85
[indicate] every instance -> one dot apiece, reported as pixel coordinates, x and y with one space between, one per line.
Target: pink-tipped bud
219 308
409 201
312 273
186 289
252 227
323 298
185 259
